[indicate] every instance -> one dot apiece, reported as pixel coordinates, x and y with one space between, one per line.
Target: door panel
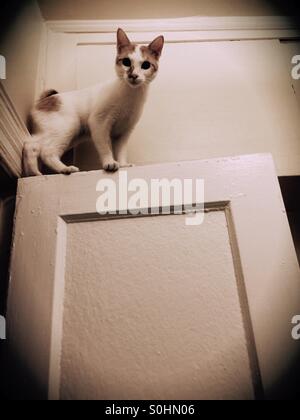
147 307
151 323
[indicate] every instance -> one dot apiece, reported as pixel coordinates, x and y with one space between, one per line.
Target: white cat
108 111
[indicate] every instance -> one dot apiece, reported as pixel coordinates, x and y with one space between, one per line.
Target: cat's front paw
111 166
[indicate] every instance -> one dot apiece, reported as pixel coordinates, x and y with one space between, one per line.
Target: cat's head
137 65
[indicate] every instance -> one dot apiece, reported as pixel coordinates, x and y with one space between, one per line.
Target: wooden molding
13 132
222 28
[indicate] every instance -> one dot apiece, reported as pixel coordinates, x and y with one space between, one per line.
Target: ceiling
143 9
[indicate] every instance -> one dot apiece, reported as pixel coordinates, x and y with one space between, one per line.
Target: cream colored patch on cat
108 111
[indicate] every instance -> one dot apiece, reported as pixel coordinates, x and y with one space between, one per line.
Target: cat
108 111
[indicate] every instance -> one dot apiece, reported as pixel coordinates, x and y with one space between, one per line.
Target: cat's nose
133 76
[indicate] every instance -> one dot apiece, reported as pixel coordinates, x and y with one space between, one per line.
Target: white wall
210 99
21 49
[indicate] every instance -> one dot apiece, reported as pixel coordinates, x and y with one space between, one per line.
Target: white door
128 307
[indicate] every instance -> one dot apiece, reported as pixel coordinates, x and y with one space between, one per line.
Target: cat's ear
122 40
156 46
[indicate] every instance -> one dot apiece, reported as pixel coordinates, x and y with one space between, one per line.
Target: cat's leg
120 150
57 143
100 131
52 160
51 157
31 153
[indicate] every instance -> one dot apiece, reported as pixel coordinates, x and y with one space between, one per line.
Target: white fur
109 111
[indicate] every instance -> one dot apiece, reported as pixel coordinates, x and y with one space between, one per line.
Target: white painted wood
13 133
42 62
263 258
233 26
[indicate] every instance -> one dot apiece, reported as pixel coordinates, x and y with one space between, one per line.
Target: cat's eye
126 62
146 65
